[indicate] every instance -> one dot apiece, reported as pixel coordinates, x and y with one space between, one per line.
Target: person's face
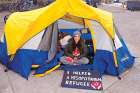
76 38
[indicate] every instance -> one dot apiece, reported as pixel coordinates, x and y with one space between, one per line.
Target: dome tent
25 34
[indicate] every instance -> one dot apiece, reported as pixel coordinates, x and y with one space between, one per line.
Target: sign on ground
82 79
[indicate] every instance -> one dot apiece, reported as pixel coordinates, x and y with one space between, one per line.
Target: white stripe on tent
63 24
103 41
118 43
2 38
34 42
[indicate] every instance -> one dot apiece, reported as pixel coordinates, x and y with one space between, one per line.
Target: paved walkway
128 24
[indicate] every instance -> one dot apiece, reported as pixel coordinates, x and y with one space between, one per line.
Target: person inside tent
75 51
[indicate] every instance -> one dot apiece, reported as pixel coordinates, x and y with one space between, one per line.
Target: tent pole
89 25
115 59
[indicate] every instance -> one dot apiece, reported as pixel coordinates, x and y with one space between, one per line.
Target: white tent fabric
2 39
34 42
117 41
103 41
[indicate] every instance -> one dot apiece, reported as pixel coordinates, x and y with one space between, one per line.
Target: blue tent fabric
47 66
3 53
68 31
125 59
104 63
21 65
24 59
86 36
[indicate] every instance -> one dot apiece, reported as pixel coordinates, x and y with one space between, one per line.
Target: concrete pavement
128 24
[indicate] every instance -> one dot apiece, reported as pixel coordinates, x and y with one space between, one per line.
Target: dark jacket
69 49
